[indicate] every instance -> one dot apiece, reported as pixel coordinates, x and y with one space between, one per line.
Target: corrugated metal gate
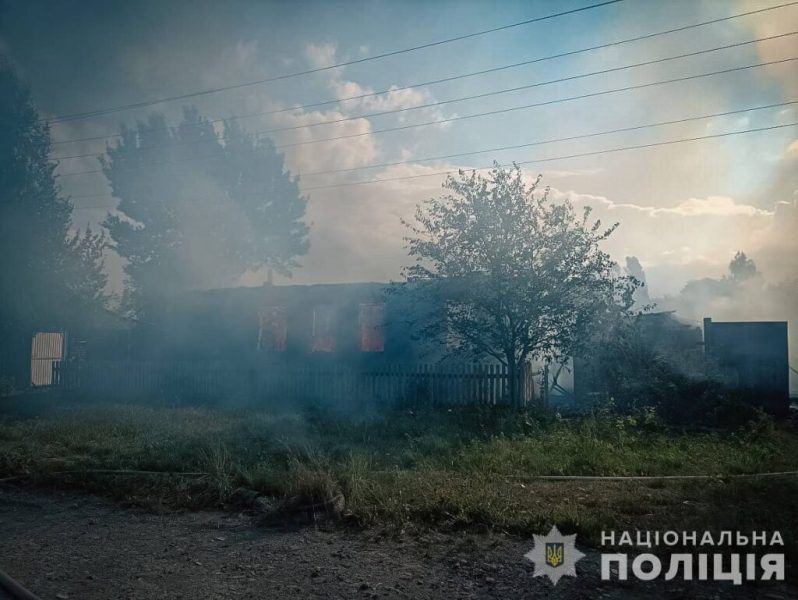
47 348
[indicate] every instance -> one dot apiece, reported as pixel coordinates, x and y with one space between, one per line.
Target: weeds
215 461
458 468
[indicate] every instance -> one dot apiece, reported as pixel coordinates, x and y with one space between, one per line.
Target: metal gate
47 348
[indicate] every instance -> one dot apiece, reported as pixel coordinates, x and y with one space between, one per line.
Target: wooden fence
186 382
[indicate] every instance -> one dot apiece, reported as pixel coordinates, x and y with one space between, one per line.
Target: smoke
776 49
728 299
776 247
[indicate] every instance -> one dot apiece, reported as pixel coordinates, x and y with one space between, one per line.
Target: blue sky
683 209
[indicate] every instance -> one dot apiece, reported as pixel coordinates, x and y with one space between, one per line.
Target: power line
556 140
472 116
462 76
554 158
527 145
544 160
537 104
461 99
525 87
113 109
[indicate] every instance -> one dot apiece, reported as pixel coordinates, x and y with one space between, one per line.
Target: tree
522 277
702 297
199 208
742 268
41 264
84 271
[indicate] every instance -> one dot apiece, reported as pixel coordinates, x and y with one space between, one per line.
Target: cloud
338 154
357 233
784 20
358 150
720 206
776 247
394 99
694 237
562 173
320 55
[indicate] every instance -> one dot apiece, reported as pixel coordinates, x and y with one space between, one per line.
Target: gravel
70 546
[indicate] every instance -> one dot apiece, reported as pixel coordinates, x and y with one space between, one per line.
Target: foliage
35 219
199 208
629 375
522 277
742 275
742 268
87 279
49 276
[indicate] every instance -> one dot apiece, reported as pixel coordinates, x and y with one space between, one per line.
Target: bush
6 385
651 389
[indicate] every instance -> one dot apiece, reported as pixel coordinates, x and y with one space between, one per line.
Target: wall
752 355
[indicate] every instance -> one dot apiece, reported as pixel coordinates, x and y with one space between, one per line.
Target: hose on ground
17 591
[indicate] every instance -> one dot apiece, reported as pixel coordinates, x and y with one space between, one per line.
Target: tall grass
466 467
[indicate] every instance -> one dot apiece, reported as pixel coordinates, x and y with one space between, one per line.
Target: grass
464 468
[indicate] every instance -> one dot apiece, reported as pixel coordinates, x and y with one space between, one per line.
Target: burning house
233 341
334 343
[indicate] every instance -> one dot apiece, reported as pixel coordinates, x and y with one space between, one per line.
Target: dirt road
68 546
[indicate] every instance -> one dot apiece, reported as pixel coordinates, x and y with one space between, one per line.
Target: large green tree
199 207
522 277
50 276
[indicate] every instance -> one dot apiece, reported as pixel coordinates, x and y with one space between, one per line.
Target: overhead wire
471 116
392 90
555 158
531 161
460 99
145 103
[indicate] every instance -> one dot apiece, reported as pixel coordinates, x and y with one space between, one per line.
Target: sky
683 209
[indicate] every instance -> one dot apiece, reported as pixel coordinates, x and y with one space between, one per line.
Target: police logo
554 555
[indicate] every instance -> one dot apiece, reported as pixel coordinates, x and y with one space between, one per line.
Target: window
323 329
272 328
372 327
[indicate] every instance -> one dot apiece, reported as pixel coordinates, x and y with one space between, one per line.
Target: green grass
463 468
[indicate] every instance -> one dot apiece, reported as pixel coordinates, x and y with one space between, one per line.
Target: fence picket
416 385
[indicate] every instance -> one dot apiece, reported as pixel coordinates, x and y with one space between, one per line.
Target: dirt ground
69 546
